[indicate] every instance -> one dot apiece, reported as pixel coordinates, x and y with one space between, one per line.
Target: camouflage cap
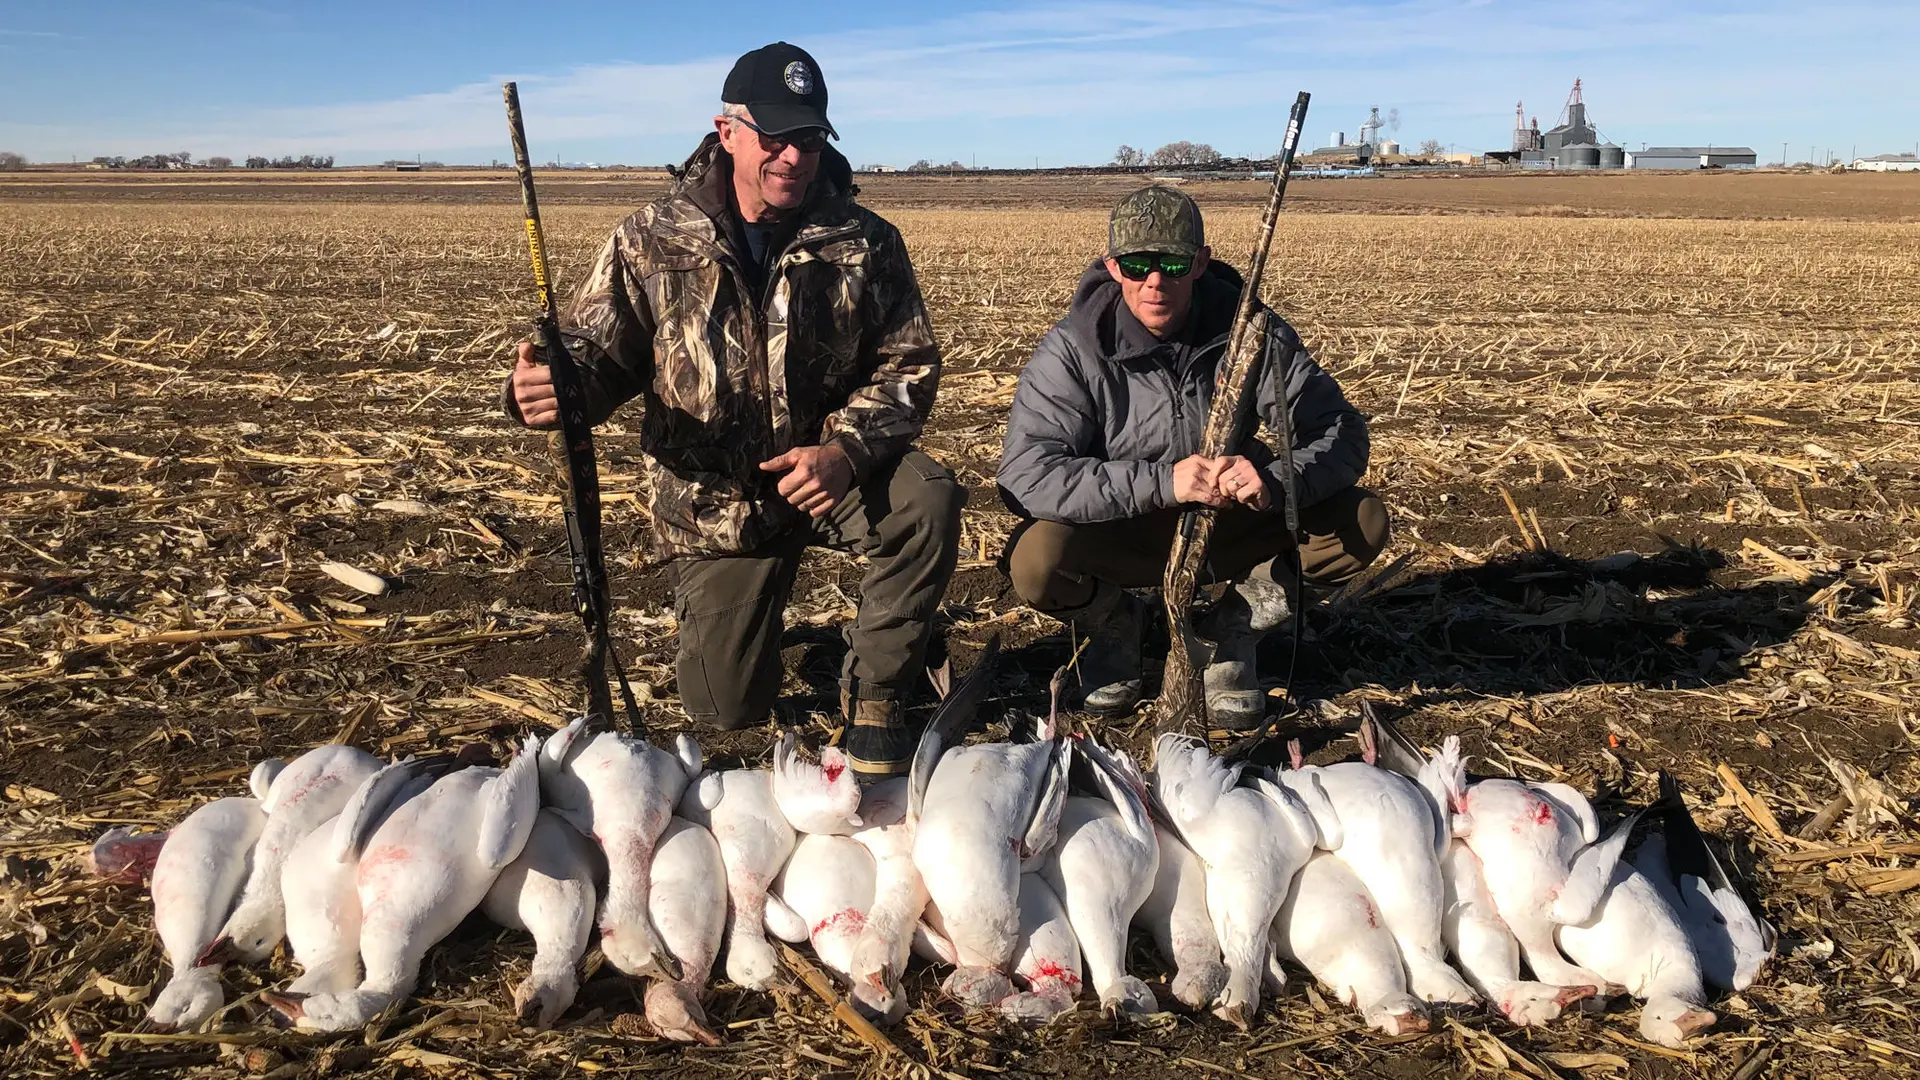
1156 218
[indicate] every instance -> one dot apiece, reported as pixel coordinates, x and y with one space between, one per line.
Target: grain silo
1612 157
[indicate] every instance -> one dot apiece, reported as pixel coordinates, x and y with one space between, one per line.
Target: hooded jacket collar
1101 325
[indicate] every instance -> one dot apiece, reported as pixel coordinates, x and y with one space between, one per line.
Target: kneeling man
1099 460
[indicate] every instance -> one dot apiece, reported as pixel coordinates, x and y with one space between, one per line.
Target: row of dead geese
1399 881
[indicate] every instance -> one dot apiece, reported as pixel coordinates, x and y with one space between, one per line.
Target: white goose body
828 882
1543 865
738 807
987 809
1635 940
196 879
1731 939
310 790
1252 836
1102 868
1390 834
1175 913
899 896
323 914
689 909
1331 925
421 872
1046 959
620 791
1479 939
548 891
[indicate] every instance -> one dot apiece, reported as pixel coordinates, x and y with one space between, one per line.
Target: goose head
1671 1021
823 798
187 1000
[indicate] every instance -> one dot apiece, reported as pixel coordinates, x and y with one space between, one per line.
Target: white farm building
1692 157
1888 163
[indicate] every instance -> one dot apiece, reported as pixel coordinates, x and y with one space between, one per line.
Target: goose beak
288 1008
220 950
1570 994
1406 1023
664 965
1694 1021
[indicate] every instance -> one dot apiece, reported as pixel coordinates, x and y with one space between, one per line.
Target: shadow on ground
1527 624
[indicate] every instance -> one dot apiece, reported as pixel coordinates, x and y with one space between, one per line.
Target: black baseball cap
783 88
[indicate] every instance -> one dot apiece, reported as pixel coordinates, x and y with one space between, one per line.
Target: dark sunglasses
812 141
1137 266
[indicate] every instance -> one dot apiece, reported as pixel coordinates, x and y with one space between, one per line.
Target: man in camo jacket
776 336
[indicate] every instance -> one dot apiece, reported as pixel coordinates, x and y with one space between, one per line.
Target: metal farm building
1888 163
1692 157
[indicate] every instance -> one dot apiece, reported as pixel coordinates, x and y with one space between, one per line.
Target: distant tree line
923 165
12 162
183 160
304 161
1173 153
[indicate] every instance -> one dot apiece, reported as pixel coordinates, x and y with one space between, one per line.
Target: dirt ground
1652 447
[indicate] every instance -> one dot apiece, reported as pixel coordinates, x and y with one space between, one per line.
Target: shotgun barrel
572 448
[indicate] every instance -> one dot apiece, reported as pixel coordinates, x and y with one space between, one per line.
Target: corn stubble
1657 496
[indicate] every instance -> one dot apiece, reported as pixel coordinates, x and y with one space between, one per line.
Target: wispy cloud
1067 75
29 33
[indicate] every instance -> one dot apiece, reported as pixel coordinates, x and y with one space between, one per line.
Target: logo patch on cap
799 78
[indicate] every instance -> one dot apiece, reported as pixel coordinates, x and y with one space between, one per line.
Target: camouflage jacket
838 349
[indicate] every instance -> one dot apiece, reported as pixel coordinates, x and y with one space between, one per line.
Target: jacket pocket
687 369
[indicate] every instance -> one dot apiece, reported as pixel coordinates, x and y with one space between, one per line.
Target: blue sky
1060 81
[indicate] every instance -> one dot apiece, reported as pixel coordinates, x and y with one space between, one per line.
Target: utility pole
1783 155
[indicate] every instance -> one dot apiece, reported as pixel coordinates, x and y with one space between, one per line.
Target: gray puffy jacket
1105 409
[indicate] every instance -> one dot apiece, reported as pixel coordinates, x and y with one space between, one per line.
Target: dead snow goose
1331 925
1252 835
688 905
981 812
423 870
549 892
310 790
620 791
1102 868
196 879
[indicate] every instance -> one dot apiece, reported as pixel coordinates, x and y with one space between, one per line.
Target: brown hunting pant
905 519
1054 565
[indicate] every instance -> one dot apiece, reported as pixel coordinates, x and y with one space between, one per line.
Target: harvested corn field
1655 482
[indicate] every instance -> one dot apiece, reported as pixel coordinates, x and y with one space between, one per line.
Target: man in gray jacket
1099 460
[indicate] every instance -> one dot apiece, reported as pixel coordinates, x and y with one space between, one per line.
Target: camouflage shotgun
1234 393
572 450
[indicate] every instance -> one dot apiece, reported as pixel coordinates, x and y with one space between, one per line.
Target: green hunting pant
905 519
1054 565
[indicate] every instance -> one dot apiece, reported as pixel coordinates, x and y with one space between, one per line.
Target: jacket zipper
775 274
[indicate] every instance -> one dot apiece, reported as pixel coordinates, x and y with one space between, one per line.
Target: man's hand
1195 480
533 390
818 477
1240 481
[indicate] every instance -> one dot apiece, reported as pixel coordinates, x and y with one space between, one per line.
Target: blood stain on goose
1049 969
847 920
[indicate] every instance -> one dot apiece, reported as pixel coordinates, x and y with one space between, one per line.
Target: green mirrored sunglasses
1138 265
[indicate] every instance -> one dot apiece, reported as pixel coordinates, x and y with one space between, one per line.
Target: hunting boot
1112 623
1245 612
876 737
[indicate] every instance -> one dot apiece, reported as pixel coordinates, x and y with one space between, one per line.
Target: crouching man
1099 460
774 333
